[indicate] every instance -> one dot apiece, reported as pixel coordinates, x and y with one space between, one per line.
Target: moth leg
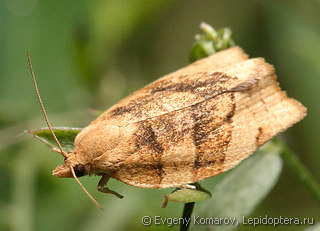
101 186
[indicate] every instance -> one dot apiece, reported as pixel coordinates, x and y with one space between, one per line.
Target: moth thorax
95 140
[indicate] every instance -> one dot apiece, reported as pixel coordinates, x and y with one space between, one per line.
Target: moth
185 127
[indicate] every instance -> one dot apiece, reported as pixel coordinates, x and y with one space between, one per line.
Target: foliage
65 136
210 42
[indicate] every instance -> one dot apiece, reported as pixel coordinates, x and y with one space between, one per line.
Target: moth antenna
63 153
84 189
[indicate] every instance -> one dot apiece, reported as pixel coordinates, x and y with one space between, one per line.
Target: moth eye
79 170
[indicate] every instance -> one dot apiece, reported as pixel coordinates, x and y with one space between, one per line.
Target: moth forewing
197 122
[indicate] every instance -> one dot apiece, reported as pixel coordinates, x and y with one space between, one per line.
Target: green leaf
187 195
65 136
240 191
210 42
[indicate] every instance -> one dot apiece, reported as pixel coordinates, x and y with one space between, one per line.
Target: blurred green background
90 54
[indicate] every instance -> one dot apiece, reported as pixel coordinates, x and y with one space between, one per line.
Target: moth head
76 162
65 171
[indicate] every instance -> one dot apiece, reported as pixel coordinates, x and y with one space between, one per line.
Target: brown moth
187 126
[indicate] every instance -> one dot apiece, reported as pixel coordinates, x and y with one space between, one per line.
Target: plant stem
187 211
302 172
